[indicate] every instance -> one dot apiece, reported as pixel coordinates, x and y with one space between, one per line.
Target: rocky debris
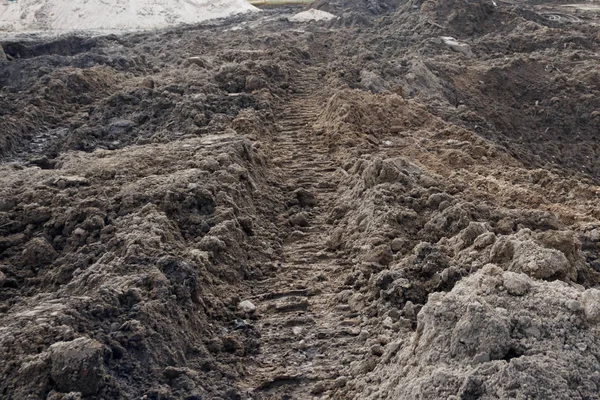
292 304
247 306
459 247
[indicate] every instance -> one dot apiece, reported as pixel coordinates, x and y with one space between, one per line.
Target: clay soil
351 209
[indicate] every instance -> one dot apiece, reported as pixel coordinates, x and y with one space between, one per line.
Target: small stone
297 330
247 306
409 310
502 251
173 372
457 46
394 314
373 139
325 185
335 239
404 323
445 275
356 302
120 127
292 304
573 305
63 182
212 243
484 240
79 235
232 344
254 82
296 236
391 350
363 335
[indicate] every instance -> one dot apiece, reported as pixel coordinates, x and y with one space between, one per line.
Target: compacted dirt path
303 330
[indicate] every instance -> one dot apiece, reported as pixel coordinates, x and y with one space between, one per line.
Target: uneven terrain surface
401 203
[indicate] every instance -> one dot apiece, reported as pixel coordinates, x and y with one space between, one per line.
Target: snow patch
111 15
311 15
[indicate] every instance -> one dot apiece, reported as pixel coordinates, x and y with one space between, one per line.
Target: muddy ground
352 209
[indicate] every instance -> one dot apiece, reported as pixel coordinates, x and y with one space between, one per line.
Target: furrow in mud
301 328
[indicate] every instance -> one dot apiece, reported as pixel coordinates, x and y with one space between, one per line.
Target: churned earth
398 203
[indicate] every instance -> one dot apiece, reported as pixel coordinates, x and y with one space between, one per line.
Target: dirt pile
257 209
463 17
112 99
523 75
103 255
356 117
413 214
496 335
60 16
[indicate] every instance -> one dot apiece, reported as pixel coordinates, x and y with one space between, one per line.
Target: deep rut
304 331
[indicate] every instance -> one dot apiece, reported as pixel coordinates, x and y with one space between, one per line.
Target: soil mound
115 249
400 203
65 16
496 335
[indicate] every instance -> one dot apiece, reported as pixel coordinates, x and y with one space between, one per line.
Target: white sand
311 15
111 15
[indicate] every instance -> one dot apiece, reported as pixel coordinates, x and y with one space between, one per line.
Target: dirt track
338 210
